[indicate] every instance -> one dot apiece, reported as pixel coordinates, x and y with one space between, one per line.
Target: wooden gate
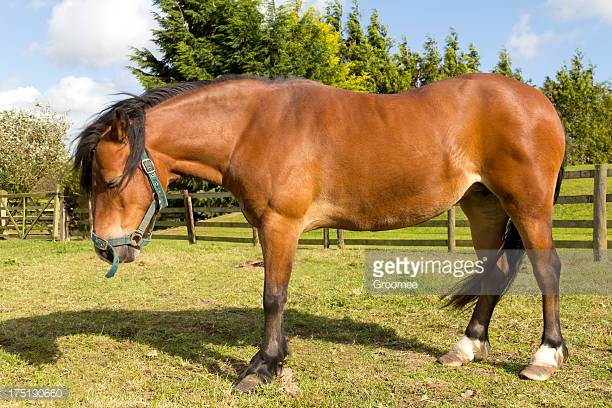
31 215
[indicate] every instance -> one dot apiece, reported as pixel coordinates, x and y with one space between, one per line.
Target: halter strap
137 239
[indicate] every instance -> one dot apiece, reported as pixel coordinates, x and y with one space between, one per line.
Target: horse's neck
197 134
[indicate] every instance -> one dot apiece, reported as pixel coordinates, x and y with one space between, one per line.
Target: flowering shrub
32 151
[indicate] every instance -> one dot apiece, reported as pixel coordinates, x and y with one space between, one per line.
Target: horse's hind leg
529 203
537 236
488 222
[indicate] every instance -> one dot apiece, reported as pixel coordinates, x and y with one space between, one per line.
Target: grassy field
176 328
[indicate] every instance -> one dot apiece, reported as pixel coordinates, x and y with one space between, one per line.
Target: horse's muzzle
125 253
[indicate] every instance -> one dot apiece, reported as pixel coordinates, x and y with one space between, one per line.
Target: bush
32 152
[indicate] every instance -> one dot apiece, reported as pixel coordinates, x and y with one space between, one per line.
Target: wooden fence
43 215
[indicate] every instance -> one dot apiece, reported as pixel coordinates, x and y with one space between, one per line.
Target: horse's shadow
187 333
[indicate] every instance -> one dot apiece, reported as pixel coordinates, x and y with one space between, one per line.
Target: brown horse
299 155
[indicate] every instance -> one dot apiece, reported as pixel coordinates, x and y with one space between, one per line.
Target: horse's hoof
248 384
453 359
464 351
538 372
545 362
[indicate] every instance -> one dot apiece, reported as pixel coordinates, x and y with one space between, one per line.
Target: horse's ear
119 126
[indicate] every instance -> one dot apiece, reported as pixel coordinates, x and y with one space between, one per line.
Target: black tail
492 281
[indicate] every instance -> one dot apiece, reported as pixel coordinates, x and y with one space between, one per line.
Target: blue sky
70 54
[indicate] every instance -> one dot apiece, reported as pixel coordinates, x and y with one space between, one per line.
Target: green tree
381 65
472 59
202 40
429 69
408 63
354 32
454 64
333 14
585 107
504 66
32 151
205 39
356 50
311 49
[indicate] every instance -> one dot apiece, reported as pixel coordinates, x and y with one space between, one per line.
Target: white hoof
464 351
544 363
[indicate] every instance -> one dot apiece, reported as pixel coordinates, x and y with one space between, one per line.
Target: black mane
134 107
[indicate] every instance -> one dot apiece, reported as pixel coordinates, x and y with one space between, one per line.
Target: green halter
137 239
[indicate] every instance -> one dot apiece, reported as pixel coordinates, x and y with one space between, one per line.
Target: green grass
176 327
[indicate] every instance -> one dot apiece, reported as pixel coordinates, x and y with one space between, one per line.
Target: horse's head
125 187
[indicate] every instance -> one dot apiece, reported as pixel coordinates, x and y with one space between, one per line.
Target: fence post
66 217
452 243
57 215
340 235
64 221
255 237
326 238
600 229
3 214
189 217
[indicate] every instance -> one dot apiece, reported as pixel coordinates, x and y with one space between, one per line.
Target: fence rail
43 215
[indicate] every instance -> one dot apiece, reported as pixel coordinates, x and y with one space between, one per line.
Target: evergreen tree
430 63
504 66
377 34
472 59
202 40
381 66
333 14
356 50
354 32
454 64
407 62
310 49
585 107
205 39
276 29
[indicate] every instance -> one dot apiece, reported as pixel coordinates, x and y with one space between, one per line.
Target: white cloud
580 9
92 33
78 97
524 41
20 97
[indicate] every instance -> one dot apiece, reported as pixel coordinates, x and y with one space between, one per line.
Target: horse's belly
353 218
357 213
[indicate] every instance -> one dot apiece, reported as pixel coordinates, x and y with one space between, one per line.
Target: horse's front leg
279 238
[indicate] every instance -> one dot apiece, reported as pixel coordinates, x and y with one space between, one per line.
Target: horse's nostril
126 253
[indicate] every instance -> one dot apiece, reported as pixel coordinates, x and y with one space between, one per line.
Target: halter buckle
135 239
148 166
